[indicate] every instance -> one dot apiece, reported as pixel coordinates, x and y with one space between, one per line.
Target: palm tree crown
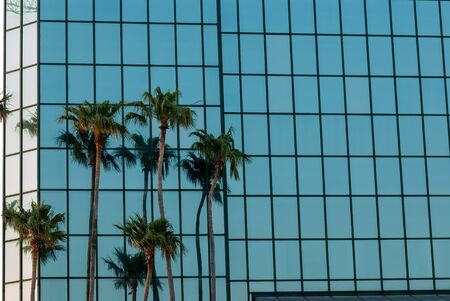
4 105
129 269
220 150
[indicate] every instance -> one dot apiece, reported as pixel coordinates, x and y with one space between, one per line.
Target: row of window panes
163 47
330 55
328 14
13 47
337 94
187 11
192 81
345 218
340 259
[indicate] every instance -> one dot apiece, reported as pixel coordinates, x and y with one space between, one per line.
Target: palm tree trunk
162 145
170 278
133 292
212 247
144 197
93 242
90 226
155 285
148 278
34 263
197 245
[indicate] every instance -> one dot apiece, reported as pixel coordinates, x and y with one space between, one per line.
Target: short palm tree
101 121
38 228
4 106
200 172
129 270
165 109
82 148
149 237
147 152
220 150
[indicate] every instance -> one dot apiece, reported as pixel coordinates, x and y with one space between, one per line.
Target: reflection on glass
30 45
12 49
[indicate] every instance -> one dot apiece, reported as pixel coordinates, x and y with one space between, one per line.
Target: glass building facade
343 106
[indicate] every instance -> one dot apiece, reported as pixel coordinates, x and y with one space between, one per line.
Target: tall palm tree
147 152
147 238
100 120
4 106
38 228
82 149
165 109
200 172
129 270
220 150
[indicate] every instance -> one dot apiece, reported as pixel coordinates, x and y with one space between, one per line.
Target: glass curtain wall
20 134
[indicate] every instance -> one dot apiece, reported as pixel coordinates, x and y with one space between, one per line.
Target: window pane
306 94
411 135
52 43
278 54
341 259
282 135
250 16
385 130
287 260
308 134
391 217
355 55
336 176
338 217
353 16
362 176
393 259
364 217
416 217
253 94
81 84
29 45
367 259
330 61
436 135
408 94
312 217
302 16
413 176
80 43
405 56
135 44
285 217
304 55
388 176
260 251
280 94
107 43
433 96
310 176
256 142
380 56
314 260
428 17
438 175
259 182
334 136
430 56
378 16
283 176
107 10
107 85
439 219
189 45
327 12
331 95
162 44
276 15
252 53
357 92
161 10
419 259
383 95
80 9
403 17
134 10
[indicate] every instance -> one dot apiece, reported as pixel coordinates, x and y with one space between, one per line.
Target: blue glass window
259 182
53 49
135 44
430 56
436 135
304 55
416 217
135 82
231 94
360 135
252 54
162 43
255 127
385 131
53 84
334 136
357 92
107 10
331 95
259 218
308 134
188 11
405 56
50 130
367 259
190 82
391 217
276 15
413 176
278 54
260 251
364 217
53 173
107 43
161 10
408 95
285 217
355 56
383 95
336 176
306 94
287 264
280 94
378 17
228 15
230 53
314 260
388 176
134 10
250 16
282 135
403 17
302 16
106 87
438 175
283 176
411 135
445 14
81 84
380 56
353 17
419 258
428 17
330 61
80 39
441 261
327 12
362 175
210 45
338 217
393 258
433 91
341 259
189 45
310 176
254 94
312 218
79 9
440 223
52 9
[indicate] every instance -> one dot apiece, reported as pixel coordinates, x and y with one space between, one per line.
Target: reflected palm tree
200 172
30 125
4 106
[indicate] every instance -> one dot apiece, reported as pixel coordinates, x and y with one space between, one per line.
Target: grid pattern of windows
343 106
